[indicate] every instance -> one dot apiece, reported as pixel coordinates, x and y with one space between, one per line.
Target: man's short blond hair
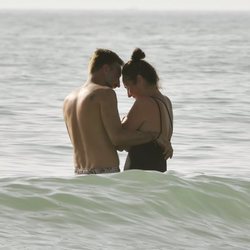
101 57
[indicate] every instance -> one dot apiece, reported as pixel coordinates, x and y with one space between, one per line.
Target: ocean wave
178 194
151 205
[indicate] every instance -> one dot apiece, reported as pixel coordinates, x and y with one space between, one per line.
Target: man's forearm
128 138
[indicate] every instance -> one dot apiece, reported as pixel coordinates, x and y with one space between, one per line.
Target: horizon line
124 9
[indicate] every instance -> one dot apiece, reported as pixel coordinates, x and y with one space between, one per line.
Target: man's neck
97 79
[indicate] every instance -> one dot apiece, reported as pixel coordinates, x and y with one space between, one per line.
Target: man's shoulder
70 98
69 103
72 94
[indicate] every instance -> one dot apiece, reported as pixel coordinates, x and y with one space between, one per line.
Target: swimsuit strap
160 118
171 122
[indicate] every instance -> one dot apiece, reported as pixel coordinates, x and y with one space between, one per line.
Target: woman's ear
139 79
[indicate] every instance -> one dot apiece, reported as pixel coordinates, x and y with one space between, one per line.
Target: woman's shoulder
144 101
167 100
145 106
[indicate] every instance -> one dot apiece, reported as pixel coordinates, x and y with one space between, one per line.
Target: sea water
201 202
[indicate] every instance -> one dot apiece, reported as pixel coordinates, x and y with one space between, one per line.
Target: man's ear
106 68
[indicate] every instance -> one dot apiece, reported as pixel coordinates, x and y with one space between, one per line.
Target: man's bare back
82 112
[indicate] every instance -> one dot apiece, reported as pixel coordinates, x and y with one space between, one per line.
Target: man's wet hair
101 57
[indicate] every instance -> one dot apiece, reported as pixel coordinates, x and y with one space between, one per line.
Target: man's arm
110 117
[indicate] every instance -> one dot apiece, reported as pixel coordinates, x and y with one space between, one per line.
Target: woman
151 111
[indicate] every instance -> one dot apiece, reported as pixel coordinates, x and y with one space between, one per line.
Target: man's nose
118 84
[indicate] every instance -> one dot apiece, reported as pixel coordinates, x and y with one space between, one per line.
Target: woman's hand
167 147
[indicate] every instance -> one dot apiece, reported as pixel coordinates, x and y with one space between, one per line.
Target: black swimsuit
148 156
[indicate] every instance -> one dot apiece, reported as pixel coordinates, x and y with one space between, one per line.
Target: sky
128 4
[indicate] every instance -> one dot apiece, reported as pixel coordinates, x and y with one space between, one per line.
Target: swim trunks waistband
97 170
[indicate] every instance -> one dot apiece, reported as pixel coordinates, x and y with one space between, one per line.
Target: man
92 118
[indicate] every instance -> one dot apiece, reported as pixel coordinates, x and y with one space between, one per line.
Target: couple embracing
93 122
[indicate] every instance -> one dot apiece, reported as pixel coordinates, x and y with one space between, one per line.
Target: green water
129 210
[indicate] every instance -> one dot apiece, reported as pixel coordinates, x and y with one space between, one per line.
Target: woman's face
132 88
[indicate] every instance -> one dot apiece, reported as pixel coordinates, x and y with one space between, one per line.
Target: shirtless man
92 118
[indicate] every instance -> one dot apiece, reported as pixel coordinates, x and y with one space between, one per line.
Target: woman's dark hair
138 66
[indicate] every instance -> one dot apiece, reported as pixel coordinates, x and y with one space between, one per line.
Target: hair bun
137 55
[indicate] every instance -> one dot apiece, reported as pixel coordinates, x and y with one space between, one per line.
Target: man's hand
167 147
